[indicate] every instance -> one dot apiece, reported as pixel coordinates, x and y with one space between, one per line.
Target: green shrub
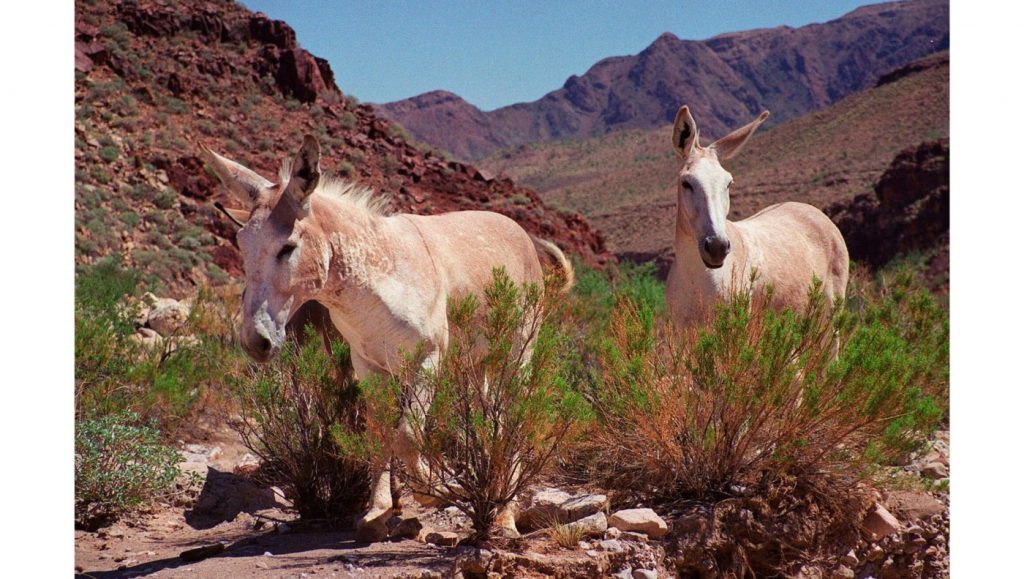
109 153
287 409
348 120
176 106
488 422
758 396
389 165
114 373
120 468
131 219
596 292
760 424
166 198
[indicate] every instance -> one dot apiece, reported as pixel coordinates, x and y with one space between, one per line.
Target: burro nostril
263 344
715 248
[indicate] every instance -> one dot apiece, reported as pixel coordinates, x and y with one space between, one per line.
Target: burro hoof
373 526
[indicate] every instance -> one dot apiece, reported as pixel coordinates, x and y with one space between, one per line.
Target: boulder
641 520
147 337
935 470
914 507
301 76
166 315
913 173
543 508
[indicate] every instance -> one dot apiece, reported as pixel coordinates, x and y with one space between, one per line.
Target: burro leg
372 526
404 443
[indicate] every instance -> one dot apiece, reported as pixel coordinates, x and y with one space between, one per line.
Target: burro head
703 185
281 251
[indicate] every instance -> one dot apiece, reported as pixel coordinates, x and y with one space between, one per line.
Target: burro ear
685 133
247 186
305 170
237 216
731 144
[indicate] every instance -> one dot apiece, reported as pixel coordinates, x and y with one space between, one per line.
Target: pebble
850 559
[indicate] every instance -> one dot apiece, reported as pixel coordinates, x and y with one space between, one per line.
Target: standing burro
788 245
385 280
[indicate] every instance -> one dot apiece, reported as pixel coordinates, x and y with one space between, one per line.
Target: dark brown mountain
153 78
730 78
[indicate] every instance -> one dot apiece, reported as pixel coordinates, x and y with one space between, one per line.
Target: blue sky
495 53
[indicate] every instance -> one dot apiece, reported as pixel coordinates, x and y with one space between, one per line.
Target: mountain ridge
624 182
732 75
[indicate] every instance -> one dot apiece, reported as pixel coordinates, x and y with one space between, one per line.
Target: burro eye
286 251
687 186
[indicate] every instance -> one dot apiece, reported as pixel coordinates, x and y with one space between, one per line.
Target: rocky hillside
907 212
624 182
730 78
152 78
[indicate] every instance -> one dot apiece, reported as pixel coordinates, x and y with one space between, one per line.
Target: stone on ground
641 520
879 522
543 508
442 538
577 508
593 525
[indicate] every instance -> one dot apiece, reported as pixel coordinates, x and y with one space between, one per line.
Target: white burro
788 244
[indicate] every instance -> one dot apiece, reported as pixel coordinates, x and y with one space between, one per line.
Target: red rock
879 522
299 75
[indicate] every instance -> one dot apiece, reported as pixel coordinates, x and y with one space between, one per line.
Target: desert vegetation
809 407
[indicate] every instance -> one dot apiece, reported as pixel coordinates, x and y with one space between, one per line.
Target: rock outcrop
909 210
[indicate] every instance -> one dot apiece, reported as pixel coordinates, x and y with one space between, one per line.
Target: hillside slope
153 78
730 77
624 182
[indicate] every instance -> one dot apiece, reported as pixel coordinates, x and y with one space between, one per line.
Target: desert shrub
175 105
100 175
490 420
596 292
348 120
389 165
163 384
760 424
131 219
346 169
398 131
165 198
109 153
120 467
757 396
358 157
287 409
